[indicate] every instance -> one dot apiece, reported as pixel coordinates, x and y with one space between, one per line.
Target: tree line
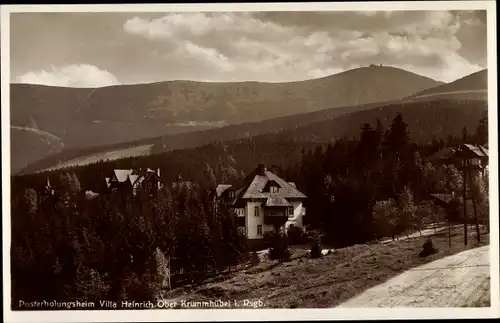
380 184
117 247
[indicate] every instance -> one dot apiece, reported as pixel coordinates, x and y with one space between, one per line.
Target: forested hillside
433 119
111 247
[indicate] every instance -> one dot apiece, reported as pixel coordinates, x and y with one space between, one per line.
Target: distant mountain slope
195 138
476 82
34 141
110 115
427 120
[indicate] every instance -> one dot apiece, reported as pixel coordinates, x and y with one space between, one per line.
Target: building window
274 189
241 230
290 211
231 194
257 211
259 229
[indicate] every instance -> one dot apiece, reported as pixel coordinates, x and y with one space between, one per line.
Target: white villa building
263 202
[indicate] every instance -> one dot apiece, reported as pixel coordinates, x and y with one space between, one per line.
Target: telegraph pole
473 184
464 166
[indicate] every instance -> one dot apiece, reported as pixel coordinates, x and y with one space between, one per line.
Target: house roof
277 200
256 187
91 194
135 178
443 197
466 149
221 188
478 151
252 187
122 174
448 198
131 175
444 154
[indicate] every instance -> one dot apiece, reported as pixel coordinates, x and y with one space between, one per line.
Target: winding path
39 132
460 280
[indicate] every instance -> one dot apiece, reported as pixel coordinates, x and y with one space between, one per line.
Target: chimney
261 170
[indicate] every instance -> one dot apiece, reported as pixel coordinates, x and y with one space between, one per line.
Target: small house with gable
131 180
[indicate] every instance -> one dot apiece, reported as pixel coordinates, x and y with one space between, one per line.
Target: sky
102 49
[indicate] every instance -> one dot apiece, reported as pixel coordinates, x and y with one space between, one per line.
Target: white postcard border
260 314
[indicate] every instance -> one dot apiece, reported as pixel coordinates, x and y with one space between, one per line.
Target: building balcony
276 220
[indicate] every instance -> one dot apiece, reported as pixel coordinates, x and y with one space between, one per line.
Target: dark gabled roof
444 154
256 187
465 150
478 151
131 176
447 198
443 197
252 187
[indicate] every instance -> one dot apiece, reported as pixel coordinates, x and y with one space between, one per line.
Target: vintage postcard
212 162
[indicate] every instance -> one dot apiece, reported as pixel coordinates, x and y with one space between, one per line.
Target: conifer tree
481 134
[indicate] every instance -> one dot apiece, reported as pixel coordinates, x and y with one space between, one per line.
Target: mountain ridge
87 117
472 82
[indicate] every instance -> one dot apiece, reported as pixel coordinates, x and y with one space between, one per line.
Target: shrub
295 235
90 285
254 258
427 249
279 248
316 247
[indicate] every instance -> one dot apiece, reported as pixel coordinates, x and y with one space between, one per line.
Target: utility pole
464 166
169 274
474 206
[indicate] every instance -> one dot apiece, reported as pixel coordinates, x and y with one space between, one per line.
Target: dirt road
460 280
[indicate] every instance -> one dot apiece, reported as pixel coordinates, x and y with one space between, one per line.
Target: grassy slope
328 281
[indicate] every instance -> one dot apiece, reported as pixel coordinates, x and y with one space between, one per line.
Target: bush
254 258
316 247
455 211
295 235
427 249
279 248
